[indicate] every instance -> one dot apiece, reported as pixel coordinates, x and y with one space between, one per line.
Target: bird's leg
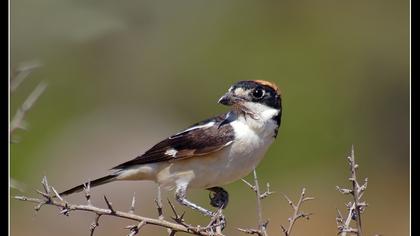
219 197
218 220
180 196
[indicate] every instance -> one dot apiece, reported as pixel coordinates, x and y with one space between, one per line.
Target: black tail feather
96 182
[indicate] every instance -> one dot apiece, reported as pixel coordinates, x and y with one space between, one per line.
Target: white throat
259 118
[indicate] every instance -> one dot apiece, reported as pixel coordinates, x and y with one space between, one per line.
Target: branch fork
356 207
297 213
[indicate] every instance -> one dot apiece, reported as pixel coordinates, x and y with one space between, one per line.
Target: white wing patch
194 127
200 126
171 152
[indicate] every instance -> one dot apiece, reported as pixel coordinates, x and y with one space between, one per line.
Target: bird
211 153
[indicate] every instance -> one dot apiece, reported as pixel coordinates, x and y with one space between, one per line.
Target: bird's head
253 96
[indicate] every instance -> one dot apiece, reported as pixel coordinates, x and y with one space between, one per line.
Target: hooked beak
228 99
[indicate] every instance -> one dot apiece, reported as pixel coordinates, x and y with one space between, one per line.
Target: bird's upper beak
229 99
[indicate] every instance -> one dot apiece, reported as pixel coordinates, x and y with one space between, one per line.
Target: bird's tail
96 182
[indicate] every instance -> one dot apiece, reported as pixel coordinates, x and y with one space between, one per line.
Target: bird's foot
218 197
217 224
218 220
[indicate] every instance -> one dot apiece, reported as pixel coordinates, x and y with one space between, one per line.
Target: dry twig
262 225
297 213
357 206
18 120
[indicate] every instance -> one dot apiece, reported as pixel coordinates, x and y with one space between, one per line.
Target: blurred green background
122 75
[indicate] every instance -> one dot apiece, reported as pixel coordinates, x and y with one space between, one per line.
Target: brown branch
66 208
262 225
297 213
356 207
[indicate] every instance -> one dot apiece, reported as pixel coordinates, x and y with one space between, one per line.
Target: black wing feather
188 143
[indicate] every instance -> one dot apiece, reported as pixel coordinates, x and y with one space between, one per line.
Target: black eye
258 93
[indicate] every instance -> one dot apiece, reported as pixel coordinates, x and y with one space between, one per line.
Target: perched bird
211 153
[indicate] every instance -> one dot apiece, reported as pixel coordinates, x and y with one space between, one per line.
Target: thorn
65 212
177 218
86 189
339 213
249 185
43 194
288 200
251 231
22 198
38 207
56 194
109 204
134 229
308 199
284 229
344 190
133 202
45 184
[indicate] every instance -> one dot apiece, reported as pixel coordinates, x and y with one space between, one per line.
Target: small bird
211 153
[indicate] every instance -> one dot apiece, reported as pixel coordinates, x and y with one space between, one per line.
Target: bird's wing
200 139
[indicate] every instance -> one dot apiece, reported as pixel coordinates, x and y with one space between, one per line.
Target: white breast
249 148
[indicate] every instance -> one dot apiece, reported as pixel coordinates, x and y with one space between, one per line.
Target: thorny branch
213 228
263 195
18 119
357 206
297 213
262 225
51 197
